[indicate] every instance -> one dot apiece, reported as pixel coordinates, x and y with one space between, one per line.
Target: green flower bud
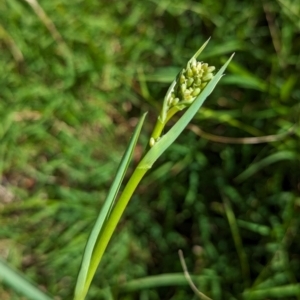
182 79
187 95
197 81
152 142
195 70
193 62
203 85
189 72
211 69
175 101
183 87
204 66
170 101
189 82
196 92
207 76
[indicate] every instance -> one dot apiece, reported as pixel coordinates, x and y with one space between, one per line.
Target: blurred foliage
75 76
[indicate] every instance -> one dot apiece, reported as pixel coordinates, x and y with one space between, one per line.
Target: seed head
190 82
182 92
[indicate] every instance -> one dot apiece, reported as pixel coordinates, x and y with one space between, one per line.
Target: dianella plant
188 91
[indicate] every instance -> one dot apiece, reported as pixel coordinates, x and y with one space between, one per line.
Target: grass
68 105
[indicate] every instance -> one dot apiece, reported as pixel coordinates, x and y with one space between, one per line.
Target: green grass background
74 78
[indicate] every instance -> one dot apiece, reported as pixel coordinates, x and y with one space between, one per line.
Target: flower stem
111 224
159 126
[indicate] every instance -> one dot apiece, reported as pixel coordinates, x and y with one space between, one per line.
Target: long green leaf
273 158
20 284
105 212
162 280
160 146
279 292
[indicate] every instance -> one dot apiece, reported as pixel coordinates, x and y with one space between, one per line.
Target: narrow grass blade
156 151
237 240
20 284
254 227
244 78
279 292
163 280
273 158
199 51
81 285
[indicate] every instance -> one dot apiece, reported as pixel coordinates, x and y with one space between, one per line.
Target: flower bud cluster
190 83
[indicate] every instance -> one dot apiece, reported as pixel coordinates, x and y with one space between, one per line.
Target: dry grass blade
15 51
47 22
242 140
274 30
189 279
